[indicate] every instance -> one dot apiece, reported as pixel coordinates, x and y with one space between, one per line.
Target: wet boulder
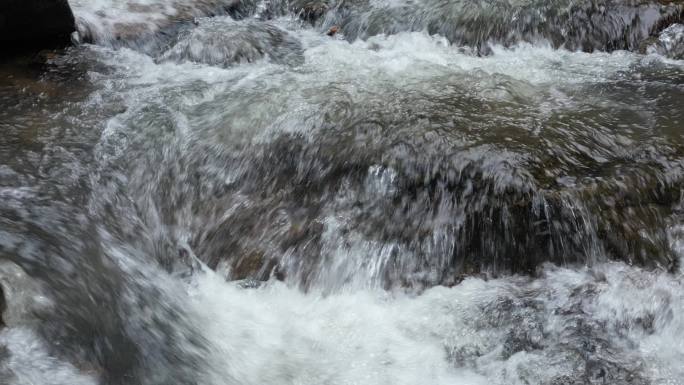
35 24
224 42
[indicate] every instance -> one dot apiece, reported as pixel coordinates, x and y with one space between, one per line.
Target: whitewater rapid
287 207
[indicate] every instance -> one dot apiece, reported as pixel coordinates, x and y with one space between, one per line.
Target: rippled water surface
431 192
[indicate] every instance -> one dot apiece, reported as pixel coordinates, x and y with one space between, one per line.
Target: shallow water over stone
228 195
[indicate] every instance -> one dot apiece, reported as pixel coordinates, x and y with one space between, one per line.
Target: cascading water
221 192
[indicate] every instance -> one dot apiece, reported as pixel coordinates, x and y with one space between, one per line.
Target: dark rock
34 24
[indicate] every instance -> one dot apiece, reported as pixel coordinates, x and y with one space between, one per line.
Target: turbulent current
376 192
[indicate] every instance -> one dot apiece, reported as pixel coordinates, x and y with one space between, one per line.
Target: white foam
280 335
106 21
264 96
407 61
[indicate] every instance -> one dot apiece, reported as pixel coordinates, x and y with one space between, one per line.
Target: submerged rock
224 42
20 296
148 27
3 305
35 24
310 10
586 25
430 187
670 42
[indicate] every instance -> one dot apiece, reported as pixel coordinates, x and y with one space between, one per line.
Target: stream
342 192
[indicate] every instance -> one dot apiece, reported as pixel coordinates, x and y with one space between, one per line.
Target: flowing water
217 192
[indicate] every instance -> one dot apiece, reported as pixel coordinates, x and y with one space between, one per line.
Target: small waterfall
333 192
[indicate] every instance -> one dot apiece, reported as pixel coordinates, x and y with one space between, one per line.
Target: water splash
375 195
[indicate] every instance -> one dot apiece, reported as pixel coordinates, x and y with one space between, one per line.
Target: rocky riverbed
367 191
